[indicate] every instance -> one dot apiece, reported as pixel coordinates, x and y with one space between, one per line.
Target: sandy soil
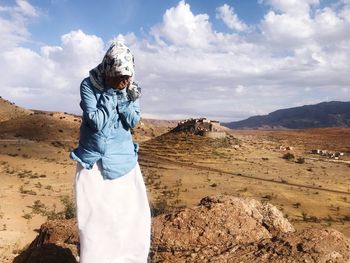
179 170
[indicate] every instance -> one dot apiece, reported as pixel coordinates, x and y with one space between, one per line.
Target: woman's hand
118 82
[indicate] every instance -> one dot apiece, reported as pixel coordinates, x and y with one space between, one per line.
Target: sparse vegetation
300 160
159 207
310 218
288 156
69 207
27 216
38 185
68 212
296 205
28 192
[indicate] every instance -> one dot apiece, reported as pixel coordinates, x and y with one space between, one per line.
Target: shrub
69 207
67 213
38 207
29 192
288 156
160 207
27 216
300 160
297 205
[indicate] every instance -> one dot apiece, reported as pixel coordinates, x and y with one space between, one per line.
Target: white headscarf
117 61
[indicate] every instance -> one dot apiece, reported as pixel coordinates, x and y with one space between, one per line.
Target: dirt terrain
310 189
179 169
221 228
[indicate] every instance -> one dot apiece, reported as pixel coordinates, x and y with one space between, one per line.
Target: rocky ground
220 228
179 169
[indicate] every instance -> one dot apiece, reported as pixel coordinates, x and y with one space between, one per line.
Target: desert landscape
304 173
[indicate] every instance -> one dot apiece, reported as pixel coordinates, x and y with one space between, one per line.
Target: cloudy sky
225 60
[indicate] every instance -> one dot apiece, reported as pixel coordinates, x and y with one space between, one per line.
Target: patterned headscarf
117 61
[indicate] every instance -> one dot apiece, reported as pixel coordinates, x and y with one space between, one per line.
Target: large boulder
220 229
57 242
215 225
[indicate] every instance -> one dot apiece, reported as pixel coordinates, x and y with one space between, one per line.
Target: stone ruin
285 148
328 154
202 127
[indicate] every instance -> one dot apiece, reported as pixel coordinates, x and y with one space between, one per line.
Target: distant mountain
324 114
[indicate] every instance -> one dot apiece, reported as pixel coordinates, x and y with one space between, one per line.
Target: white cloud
230 18
240 89
181 27
293 7
77 54
286 30
26 8
50 79
13 20
297 24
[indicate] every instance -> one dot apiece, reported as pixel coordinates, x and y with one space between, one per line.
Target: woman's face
118 82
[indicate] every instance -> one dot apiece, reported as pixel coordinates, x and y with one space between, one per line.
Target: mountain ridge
321 115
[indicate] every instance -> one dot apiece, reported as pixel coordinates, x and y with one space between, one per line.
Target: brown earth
219 229
9 110
178 168
335 139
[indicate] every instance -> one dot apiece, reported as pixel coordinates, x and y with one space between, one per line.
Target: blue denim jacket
105 130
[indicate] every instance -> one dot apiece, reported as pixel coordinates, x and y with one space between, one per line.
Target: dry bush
300 160
288 156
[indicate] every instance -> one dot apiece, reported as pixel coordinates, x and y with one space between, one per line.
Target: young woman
113 212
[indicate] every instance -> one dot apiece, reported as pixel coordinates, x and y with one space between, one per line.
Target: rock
220 229
231 229
57 242
217 224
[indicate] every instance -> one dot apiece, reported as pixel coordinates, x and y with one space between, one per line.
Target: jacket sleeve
96 113
130 111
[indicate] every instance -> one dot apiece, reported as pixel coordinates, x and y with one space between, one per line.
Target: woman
113 212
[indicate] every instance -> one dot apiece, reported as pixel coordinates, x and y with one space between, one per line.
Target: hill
321 115
38 125
150 128
41 126
9 110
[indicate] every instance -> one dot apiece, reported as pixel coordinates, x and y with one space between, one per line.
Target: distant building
202 126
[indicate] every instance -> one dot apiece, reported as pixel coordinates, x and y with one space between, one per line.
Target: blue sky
107 18
225 60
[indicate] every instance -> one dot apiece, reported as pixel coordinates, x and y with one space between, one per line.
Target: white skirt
114 216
